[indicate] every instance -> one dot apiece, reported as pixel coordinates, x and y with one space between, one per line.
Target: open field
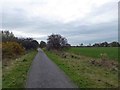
112 52
14 74
82 72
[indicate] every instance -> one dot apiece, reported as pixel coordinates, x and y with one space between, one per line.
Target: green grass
112 52
0 74
14 75
83 73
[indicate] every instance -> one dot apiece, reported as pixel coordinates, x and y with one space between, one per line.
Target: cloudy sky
80 21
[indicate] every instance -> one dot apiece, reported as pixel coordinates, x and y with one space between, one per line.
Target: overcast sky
80 21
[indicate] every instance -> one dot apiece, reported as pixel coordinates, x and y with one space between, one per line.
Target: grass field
112 52
14 75
80 70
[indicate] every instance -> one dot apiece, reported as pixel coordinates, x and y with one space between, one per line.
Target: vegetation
84 71
95 52
27 43
11 49
17 55
14 75
95 66
0 74
92 66
0 71
7 36
89 67
106 44
102 44
56 41
42 44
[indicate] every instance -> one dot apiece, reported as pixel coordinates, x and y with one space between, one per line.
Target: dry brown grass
104 61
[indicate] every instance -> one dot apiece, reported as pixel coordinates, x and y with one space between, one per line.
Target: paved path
45 74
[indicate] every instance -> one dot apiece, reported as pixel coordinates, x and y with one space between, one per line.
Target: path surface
44 73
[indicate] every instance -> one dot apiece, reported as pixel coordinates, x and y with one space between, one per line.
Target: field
95 52
78 64
14 74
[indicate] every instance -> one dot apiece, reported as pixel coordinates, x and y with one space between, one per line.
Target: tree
89 45
114 44
56 41
28 43
7 36
42 44
81 44
105 44
96 45
34 44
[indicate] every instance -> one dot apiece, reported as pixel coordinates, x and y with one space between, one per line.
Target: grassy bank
0 74
112 52
14 75
82 72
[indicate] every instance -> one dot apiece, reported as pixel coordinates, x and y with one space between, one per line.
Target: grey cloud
75 32
105 8
14 19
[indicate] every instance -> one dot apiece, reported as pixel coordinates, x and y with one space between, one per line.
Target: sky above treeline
80 21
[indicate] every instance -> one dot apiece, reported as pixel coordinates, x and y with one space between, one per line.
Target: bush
10 49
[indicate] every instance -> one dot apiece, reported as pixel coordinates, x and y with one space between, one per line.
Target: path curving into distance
44 73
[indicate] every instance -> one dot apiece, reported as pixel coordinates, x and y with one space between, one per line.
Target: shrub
10 49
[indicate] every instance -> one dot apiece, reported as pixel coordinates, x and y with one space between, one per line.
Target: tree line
102 44
58 42
27 43
106 44
13 46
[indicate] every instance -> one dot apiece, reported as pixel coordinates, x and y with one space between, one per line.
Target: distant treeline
102 44
13 46
106 44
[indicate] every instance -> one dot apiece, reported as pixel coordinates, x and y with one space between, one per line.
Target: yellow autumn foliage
10 49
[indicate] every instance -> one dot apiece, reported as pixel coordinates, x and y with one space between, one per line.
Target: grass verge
14 75
0 74
83 73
